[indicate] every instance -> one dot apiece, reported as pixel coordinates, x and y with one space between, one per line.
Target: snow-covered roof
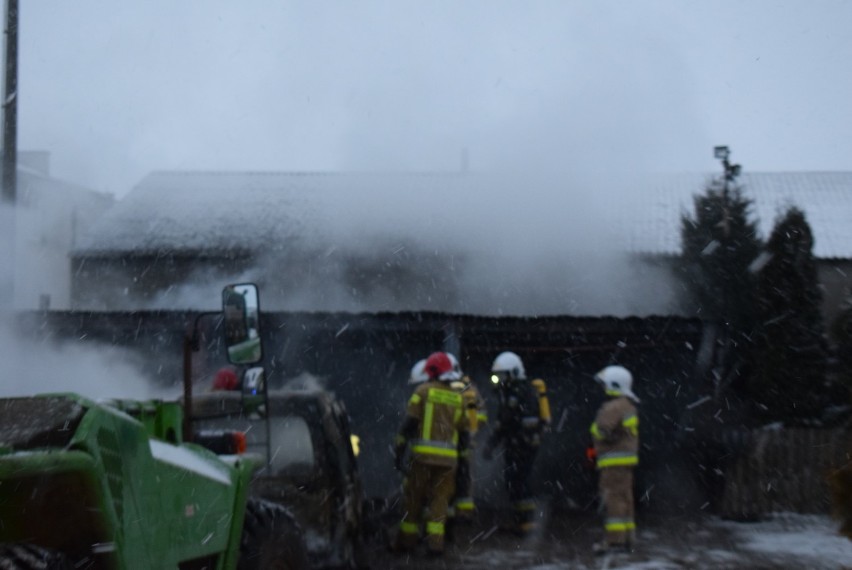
197 212
825 197
508 244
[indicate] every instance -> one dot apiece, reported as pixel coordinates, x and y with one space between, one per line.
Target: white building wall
49 218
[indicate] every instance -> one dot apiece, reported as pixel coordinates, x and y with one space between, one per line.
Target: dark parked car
311 465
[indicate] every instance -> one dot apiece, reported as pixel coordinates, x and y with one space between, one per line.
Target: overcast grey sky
116 89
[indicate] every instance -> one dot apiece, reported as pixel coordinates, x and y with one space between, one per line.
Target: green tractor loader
118 485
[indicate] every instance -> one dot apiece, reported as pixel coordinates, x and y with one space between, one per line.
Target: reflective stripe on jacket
615 432
441 416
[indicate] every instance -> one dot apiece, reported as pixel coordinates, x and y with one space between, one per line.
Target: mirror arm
191 343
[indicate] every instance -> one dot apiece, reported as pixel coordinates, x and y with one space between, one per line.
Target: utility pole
8 225
10 106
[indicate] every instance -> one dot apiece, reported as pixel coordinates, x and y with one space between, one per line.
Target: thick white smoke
33 365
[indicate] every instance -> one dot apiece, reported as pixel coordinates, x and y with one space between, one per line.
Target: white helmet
456 373
509 364
617 381
418 373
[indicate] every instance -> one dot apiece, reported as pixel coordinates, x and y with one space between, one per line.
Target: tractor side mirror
241 311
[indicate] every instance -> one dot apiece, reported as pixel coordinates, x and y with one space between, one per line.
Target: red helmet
226 379
437 365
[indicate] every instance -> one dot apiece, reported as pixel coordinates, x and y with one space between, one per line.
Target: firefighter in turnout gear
463 506
615 433
437 432
518 428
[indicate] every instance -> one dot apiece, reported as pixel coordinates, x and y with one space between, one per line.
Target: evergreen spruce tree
789 378
719 242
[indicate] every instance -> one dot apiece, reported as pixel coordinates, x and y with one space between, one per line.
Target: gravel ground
664 543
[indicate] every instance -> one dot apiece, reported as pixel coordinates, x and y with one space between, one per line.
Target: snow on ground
664 543
805 541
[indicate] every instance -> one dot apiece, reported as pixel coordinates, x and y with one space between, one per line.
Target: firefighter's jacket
436 427
519 422
615 432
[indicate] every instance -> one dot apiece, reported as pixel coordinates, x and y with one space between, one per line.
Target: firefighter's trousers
429 486
519 464
463 505
616 490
